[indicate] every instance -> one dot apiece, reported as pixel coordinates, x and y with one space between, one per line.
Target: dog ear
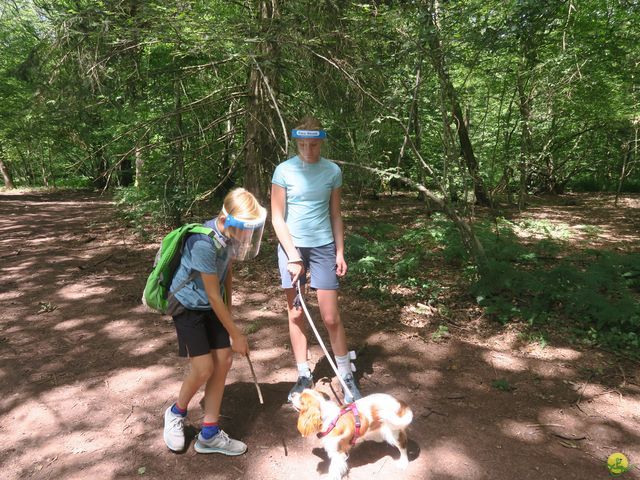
309 420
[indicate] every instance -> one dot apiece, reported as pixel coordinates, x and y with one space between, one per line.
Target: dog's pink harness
349 408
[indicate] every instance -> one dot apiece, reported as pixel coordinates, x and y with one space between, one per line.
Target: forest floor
86 373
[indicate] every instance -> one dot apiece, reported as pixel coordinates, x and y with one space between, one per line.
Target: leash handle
324 348
297 302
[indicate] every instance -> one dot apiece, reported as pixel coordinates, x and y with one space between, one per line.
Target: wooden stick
255 380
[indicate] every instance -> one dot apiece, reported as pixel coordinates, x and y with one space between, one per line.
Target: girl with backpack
201 311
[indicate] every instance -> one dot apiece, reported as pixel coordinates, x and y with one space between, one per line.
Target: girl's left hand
341 266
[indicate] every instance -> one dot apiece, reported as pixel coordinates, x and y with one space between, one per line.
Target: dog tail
396 413
403 416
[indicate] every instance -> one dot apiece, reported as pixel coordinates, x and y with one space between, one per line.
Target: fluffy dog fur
382 418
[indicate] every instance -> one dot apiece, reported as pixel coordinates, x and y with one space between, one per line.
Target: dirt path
86 374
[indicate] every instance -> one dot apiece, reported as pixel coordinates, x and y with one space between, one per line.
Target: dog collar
349 408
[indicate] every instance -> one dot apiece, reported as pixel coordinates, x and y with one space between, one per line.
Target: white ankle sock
344 365
304 370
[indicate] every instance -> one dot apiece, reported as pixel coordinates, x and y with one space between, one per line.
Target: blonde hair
241 204
309 123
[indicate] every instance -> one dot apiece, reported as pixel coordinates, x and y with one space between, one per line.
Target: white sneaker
301 384
173 430
354 393
219 443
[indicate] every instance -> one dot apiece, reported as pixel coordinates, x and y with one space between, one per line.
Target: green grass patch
502 384
253 327
382 256
534 337
594 292
441 331
592 296
139 210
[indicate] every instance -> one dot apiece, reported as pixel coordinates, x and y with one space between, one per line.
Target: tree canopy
481 100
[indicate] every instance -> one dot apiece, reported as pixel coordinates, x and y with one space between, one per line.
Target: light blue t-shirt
308 192
200 255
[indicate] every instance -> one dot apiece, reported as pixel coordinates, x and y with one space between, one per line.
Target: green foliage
442 331
545 228
382 256
356 247
594 292
591 231
139 210
502 384
534 337
253 327
165 83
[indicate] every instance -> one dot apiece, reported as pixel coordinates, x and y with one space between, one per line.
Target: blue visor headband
231 221
295 133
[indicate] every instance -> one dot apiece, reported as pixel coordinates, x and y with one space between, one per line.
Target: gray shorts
319 261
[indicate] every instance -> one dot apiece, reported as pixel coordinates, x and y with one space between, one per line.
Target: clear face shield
309 143
244 236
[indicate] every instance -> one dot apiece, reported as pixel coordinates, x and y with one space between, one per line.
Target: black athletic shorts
199 332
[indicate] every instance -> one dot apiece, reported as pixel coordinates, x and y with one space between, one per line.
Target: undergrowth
140 211
383 257
592 295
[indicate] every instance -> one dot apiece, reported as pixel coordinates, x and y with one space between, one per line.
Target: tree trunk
4 170
179 144
526 144
626 155
439 64
261 150
528 24
413 126
448 143
27 168
230 155
126 172
43 169
130 167
139 164
100 180
413 122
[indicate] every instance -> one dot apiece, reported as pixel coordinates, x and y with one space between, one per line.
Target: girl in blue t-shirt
306 216
206 332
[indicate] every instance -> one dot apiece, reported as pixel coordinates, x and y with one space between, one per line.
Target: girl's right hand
295 269
239 344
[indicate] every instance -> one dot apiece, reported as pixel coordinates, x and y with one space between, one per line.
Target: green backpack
156 294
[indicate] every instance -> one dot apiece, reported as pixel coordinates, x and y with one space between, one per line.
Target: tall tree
439 63
4 171
263 120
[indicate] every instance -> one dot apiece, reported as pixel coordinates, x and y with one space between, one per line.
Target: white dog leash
324 348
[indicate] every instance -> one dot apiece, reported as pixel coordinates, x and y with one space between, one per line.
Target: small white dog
378 417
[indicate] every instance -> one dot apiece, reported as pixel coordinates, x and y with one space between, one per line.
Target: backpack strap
217 239
218 243
183 284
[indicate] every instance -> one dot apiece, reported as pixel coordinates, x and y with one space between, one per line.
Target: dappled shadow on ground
592 220
87 373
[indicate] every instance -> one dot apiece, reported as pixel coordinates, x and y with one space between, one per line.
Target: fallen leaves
46 307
